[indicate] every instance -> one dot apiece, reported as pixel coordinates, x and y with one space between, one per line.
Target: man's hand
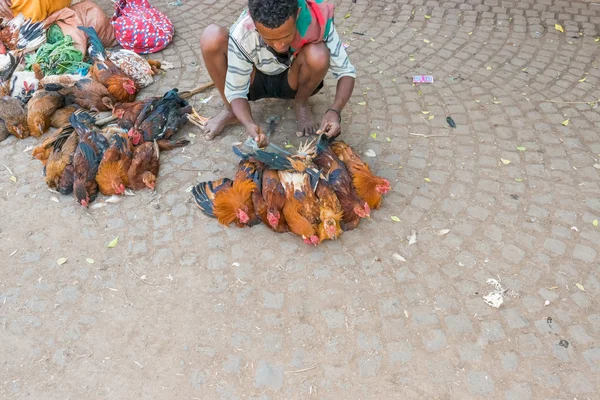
255 132
5 11
330 125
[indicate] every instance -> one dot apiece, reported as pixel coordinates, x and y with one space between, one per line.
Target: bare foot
216 124
306 122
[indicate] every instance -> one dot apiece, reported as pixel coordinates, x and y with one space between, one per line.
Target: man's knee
316 56
214 38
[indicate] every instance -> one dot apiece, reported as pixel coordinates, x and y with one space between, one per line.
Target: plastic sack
141 28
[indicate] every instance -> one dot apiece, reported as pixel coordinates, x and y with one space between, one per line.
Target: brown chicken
121 87
61 116
40 108
144 166
369 187
338 176
13 117
234 205
206 192
330 212
273 196
301 208
86 93
43 151
112 173
63 150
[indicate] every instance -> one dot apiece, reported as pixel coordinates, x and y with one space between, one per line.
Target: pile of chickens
79 157
318 193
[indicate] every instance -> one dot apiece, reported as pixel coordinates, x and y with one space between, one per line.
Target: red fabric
140 27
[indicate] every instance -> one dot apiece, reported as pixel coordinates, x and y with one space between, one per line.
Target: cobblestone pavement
183 308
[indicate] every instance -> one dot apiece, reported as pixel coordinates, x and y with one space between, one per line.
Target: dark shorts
273 87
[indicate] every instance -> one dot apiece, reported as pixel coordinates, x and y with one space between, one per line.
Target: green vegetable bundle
58 55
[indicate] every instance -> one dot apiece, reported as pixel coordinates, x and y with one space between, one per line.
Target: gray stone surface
184 308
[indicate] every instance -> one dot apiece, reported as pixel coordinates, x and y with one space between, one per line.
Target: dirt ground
183 308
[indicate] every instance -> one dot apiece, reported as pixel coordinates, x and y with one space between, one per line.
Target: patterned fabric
247 50
140 27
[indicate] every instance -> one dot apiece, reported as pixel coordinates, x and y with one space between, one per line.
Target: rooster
144 166
112 173
127 113
106 72
301 208
160 119
58 177
330 212
89 153
369 187
40 109
43 151
205 193
338 176
273 200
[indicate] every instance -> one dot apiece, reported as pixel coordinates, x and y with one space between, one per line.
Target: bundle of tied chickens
79 157
317 193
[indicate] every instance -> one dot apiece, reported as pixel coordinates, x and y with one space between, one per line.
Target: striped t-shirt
247 49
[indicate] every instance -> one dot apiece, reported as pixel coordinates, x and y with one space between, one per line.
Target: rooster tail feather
322 144
53 87
31 35
238 152
272 160
202 200
96 48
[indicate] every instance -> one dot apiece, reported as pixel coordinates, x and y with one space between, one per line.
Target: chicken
13 117
105 71
330 212
301 208
22 85
133 66
273 196
18 37
39 110
144 166
89 153
205 193
60 117
160 119
43 151
338 176
61 157
112 172
84 92
369 187
127 113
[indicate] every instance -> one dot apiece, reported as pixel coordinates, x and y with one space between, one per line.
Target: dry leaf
597 39
470 33
347 16
398 257
580 287
521 148
505 161
413 238
583 79
411 58
427 179
370 153
289 146
427 16
595 222
559 28
443 232
431 117
89 260
553 288
395 219
13 179
425 112
566 122
519 179
427 40
374 135
54 199
388 139
61 261
192 135
114 242
362 103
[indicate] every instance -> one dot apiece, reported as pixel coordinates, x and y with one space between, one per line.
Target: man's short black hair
272 13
